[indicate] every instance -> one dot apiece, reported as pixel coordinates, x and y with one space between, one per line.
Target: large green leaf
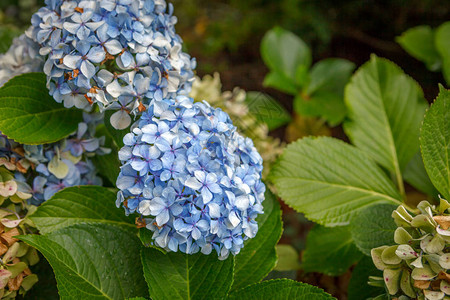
90 261
29 115
416 175
183 276
85 204
435 143
385 111
258 257
358 288
329 180
442 42
373 227
267 110
330 250
283 52
419 43
280 289
330 75
107 165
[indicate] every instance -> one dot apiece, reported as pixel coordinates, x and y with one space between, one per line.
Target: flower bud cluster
418 267
193 178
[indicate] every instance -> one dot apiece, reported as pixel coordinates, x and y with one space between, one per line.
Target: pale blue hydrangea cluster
195 180
43 170
22 57
116 53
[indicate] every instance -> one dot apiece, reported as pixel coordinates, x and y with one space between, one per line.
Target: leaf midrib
391 143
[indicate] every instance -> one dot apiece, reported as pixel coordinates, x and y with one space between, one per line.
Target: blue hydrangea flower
195 181
22 57
117 53
43 170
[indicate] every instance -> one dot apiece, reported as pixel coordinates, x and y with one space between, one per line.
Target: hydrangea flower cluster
43 170
418 266
117 53
22 57
192 176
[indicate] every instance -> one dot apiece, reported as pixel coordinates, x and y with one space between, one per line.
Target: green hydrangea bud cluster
418 267
15 256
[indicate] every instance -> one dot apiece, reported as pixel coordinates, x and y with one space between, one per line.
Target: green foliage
93 261
419 43
107 165
429 46
330 251
7 34
373 227
330 181
324 90
358 288
318 92
287 258
416 175
386 109
80 205
267 110
29 115
279 289
184 276
258 257
443 47
284 52
435 143
115 134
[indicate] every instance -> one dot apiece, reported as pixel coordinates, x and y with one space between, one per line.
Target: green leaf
326 105
330 181
330 251
107 165
435 143
280 82
416 175
29 115
442 42
385 111
85 204
283 52
115 134
267 110
373 227
90 261
183 276
358 288
279 289
330 75
7 35
287 258
258 257
419 43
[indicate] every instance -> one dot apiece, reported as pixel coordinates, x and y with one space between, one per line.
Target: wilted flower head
195 180
117 53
